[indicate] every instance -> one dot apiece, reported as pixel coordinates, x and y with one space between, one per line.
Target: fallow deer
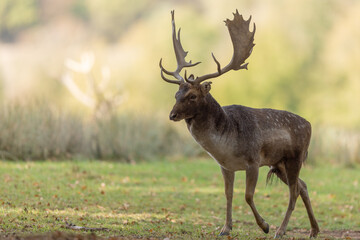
239 137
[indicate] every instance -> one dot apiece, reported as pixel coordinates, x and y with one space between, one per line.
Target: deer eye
193 97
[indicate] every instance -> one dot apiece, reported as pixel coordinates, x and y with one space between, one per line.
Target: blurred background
80 78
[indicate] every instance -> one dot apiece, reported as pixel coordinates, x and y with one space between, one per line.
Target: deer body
239 137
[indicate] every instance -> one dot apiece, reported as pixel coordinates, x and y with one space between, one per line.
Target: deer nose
173 115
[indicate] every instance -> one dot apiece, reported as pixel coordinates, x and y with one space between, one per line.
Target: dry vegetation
36 131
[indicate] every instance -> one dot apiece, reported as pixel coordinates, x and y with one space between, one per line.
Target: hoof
224 234
314 232
266 228
225 231
279 234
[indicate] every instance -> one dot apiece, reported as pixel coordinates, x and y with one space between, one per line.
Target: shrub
335 145
37 131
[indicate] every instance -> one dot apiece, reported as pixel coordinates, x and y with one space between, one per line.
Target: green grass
179 199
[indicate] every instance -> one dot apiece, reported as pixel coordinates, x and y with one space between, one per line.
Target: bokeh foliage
305 59
15 16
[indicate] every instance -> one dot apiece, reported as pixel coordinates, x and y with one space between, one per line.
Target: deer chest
222 149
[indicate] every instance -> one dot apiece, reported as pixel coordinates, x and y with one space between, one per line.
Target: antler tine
180 55
169 73
189 79
242 40
208 76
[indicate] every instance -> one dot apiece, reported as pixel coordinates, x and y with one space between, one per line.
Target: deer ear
205 87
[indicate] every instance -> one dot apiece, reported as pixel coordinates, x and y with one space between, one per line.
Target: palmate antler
243 43
180 57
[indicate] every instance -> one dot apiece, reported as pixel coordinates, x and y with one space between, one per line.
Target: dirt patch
66 236
299 233
330 234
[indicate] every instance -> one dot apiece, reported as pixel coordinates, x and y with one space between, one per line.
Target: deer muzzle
174 116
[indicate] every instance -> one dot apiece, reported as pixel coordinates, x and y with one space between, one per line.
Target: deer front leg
251 179
229 188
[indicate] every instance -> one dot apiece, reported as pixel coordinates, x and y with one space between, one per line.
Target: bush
130 137
335 145
37 131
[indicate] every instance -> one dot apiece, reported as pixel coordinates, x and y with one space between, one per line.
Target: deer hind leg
305 197
292 169
251 180
281 173
229 189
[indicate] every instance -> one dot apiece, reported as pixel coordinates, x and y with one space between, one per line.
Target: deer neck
210 122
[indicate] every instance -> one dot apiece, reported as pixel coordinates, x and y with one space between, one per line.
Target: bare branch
76 92
84 66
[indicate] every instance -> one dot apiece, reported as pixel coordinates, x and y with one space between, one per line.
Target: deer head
192 92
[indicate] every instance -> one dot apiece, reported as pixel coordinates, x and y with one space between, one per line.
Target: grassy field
176 199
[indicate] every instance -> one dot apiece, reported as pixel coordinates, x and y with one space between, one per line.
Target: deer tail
270 176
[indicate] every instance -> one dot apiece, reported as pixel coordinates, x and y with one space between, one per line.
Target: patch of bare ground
66 236
329 234
299 233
